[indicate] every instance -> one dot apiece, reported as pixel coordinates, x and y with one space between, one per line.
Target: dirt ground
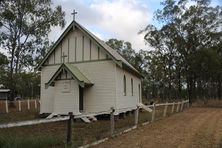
194 128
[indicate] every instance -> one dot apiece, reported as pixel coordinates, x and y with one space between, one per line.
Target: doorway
80 99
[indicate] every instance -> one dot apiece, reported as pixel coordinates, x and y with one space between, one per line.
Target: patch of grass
11 141
54 134
19 116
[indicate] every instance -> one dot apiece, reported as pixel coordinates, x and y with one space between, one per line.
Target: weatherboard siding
47 95
101 96
128 100
65 102
76 47
65 49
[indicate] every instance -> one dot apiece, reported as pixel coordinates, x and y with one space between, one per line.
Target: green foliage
24 29
187 53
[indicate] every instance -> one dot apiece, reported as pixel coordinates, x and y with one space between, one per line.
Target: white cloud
121 19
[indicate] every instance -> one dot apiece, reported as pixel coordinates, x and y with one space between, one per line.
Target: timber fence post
6 106
19 105
136 115
35 104
173 107
112 120
69 128
181 106
28 104
153 113
165 110
178 105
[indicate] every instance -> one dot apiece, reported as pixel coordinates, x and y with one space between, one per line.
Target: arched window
124 85
131 86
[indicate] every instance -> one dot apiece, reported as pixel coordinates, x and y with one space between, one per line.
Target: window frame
124 85
132 86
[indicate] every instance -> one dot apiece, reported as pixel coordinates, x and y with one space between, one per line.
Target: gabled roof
115 56
75 73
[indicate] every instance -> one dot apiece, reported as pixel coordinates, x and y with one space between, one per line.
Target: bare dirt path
193 128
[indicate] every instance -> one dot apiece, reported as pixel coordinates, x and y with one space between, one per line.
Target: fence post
69 129
181 108
173 107
112 120
178 105
153 113
165 110
136 115
6 106
28 104
19 107
35 104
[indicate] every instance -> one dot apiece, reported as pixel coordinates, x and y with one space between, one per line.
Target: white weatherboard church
81 74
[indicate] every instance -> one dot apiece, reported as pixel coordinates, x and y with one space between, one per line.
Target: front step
85 119
93 118
52 115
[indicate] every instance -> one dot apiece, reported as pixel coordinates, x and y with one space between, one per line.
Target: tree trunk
190 89
219 88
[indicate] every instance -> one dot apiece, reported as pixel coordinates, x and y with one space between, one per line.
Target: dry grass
55 133
196 127
208 103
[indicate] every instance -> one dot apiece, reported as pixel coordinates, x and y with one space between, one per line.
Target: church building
81 74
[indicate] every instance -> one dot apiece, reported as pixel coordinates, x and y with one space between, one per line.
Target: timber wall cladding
76 47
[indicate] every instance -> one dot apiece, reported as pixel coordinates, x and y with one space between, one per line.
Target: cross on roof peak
74 14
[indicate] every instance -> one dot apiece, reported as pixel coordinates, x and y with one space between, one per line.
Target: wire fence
116 123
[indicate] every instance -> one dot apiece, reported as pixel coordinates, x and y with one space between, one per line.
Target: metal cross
74 14
63 57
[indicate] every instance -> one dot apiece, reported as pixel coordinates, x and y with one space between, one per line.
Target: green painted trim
88 61
61 53
64 79
54 56
75 47
98 53
90 49
54 46
95 40
65 67
68 48
83 48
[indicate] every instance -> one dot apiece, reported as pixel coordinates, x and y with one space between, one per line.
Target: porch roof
75 73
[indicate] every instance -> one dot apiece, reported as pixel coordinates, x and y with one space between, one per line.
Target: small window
139 93
131 86
124 85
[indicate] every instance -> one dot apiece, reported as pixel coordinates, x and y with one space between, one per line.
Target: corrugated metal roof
76 72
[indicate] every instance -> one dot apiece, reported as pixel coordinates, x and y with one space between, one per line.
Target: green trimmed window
124 85
132 86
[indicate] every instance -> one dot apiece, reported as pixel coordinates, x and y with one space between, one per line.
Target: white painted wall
128 100
47 95
101 96
68 48
66 101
